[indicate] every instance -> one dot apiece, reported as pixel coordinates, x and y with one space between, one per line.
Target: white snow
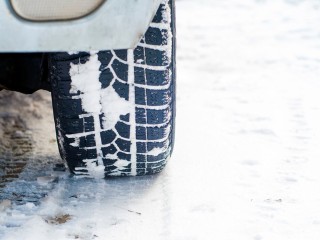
94 168
132 100
85 78
246 161
121 164
156 151
76 142
44 180
109 99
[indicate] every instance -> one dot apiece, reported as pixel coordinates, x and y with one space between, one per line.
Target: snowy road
247 159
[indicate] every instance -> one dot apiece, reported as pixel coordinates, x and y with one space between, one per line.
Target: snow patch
76 142
121 164
112 106
94 169
85 78
155 152
112 156
73 52
30 205
132 99
44 180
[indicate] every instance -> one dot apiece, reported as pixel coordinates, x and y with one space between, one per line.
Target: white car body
117 24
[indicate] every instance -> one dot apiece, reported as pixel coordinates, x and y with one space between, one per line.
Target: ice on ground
44 180
246 160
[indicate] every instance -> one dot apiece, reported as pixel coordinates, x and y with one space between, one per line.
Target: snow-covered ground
247 158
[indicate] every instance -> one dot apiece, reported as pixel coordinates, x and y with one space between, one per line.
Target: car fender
117 24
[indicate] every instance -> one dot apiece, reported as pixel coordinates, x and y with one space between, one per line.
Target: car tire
115 110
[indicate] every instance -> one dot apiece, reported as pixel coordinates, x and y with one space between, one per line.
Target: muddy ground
27 139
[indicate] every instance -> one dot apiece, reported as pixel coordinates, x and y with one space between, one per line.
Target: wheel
114 110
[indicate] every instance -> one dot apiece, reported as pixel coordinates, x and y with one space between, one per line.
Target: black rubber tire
133 135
